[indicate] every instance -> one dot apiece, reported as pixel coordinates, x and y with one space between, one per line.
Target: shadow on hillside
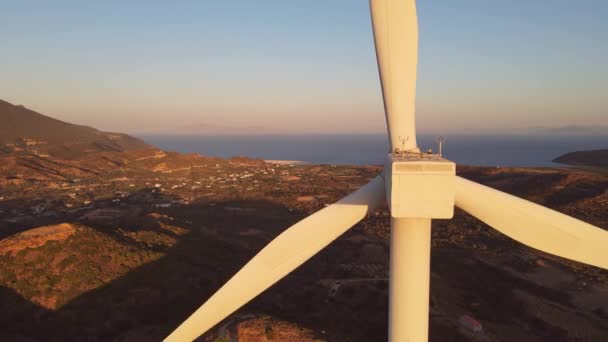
16 314
151 300
148 302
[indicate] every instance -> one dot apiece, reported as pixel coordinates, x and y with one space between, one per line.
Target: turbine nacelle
420 186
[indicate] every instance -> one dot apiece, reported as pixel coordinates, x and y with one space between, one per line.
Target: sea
531 151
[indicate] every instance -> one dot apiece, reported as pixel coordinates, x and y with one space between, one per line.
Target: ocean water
534 151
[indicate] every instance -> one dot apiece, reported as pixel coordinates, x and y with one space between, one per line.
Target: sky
304 66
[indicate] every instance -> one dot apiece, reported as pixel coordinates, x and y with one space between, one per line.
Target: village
110 196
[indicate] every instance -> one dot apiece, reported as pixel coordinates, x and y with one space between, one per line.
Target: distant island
593 158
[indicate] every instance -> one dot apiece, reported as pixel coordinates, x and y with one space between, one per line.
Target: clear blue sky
302 66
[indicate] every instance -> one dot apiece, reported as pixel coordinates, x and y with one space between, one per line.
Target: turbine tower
417 187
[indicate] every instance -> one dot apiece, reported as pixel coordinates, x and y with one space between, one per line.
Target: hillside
593 158
127 259
35 147
25 130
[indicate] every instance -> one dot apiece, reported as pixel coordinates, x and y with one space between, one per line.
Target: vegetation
57 272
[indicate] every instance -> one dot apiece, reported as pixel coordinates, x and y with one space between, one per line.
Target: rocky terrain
128 263
127 249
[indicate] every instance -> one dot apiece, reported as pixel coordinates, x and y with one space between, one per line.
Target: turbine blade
281 256
395 27
534 225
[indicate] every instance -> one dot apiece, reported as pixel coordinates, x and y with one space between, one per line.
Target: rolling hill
23 129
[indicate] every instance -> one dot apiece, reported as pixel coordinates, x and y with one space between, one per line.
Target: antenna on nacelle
440 141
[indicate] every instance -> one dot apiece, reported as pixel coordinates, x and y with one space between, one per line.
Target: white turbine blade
533 224
396 36
281 256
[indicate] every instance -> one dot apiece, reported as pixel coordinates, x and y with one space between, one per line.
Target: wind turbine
417 187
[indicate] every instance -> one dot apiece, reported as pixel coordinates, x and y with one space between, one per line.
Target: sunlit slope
23 128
